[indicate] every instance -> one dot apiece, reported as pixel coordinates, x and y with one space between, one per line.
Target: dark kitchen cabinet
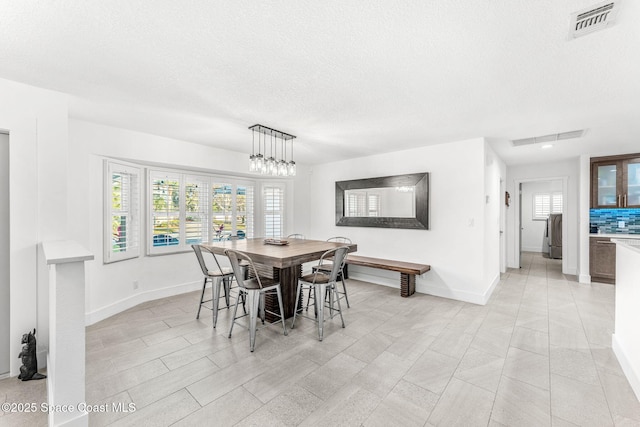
615 181
602 260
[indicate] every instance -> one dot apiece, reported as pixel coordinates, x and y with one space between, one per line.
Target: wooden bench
408 270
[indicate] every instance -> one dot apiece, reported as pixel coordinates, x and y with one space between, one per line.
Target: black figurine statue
29 368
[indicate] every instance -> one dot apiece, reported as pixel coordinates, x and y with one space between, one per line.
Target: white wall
454 245
567 170
495 173
533 231
37 121
4 254
584 190
110 286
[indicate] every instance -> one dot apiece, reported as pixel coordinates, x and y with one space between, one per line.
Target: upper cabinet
615 182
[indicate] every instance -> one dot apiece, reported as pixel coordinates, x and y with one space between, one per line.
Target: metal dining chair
217 277
254 290
296 236
326 266
321 283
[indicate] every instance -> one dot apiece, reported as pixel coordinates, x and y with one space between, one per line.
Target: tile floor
537 354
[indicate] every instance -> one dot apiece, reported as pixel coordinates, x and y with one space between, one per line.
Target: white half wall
37 122
454 245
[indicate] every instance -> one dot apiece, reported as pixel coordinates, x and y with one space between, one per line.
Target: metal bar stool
222 275
326 266
321 283
254 290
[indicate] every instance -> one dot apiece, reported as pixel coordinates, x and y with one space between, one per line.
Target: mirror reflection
392 202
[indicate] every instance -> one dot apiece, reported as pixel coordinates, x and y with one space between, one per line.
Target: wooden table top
298 251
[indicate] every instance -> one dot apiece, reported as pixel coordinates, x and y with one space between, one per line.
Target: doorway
536 201
4 254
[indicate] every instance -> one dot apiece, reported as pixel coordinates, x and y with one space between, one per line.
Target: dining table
281 260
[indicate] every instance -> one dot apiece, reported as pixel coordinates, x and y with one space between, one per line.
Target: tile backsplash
625 221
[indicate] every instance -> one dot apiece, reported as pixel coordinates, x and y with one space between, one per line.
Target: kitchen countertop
634 244
616 235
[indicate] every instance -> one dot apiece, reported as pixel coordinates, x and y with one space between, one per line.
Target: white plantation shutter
273 197
122 212
165 213
374 205
556 203
545 204
182 210
244 211
222 209
196 210
356 204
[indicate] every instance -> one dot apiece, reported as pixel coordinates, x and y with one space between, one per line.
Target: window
122 212
222 219
273 199
182 209
190 209
197 210
166 221
545 204
244 211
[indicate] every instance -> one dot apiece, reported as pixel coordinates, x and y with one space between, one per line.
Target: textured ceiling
348 78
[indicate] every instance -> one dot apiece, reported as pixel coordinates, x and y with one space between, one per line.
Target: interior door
4 254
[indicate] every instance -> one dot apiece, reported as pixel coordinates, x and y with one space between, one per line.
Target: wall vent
548 138
593 18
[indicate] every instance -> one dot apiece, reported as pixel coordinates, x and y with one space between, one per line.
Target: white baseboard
584 278
532 249
459 295
423 288
627 367
133 300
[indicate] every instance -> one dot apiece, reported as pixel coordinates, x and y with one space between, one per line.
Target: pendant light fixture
252 157
273 165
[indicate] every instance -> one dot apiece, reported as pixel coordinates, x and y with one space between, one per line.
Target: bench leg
407 284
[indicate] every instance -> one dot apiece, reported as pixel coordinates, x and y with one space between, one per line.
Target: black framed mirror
399 201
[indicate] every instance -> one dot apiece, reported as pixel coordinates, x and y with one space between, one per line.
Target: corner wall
494 210
454 245
37 121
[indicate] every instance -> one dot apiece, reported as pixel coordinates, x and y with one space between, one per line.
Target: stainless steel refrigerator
554 234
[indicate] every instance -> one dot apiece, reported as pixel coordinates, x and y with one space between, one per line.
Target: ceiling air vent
548 138
594 18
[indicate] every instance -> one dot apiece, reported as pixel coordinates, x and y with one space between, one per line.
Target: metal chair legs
256 302
319 289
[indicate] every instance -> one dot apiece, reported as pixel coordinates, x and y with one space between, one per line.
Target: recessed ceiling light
545 146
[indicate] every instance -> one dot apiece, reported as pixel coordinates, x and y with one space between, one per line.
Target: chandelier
274 165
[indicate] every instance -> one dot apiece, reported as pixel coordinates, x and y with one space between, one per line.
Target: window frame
134 228
282 211
186 177
552 197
